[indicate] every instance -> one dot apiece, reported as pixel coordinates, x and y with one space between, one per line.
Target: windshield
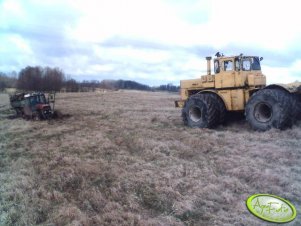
38 99
251 63
255 63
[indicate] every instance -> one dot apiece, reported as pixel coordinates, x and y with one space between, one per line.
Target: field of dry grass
125 158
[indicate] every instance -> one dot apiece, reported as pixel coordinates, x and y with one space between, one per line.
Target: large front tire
36 116
46 113
201 110
269 108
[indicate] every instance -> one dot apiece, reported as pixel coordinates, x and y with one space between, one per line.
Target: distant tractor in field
32 105
238 85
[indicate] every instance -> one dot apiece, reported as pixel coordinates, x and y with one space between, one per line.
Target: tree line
44 79
123 84
39 78
127 84
7 81
53 79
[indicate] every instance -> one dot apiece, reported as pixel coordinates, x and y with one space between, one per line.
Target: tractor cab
35 100
240 63
238 71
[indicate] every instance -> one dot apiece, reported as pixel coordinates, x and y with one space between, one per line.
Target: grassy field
125 158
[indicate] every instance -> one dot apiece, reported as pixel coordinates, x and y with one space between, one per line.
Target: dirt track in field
125 158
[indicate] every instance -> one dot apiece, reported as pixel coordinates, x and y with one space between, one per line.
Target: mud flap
179 103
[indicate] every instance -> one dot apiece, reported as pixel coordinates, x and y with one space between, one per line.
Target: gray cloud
43 28
46 30
118 41
273 58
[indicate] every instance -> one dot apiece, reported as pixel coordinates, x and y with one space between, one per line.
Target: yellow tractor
237 85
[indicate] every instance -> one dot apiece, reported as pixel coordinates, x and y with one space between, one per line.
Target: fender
278 86
210 91
215 92
181 103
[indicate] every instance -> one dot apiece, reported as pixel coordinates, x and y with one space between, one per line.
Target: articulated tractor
238 85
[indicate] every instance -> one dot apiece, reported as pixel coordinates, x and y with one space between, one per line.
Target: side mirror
261 58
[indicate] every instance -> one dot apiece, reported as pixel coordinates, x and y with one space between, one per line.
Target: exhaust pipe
208 65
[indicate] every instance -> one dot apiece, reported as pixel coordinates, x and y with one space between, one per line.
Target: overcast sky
150 41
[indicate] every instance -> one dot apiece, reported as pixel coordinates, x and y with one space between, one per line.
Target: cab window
228 65
246 65
255 63
216 67
42 99
33 100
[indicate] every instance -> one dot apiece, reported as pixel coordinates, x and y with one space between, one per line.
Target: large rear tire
201 110
269 108
296 106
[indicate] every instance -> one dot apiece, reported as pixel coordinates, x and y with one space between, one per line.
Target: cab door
226 77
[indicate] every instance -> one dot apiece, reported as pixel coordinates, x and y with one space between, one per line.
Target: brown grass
125 158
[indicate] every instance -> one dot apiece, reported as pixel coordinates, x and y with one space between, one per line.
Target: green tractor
33 105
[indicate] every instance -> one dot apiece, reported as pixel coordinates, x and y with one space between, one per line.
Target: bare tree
30 78
2 81
71 85
87 86
40 79
53 79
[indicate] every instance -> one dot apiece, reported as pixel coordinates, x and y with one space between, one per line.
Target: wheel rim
195 114
263 112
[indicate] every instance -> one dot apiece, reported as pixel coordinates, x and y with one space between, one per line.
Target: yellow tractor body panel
203 82
256 79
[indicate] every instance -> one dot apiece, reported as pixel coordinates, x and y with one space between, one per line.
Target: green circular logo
271 208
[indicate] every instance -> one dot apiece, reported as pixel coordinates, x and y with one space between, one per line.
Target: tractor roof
222 56
33 94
